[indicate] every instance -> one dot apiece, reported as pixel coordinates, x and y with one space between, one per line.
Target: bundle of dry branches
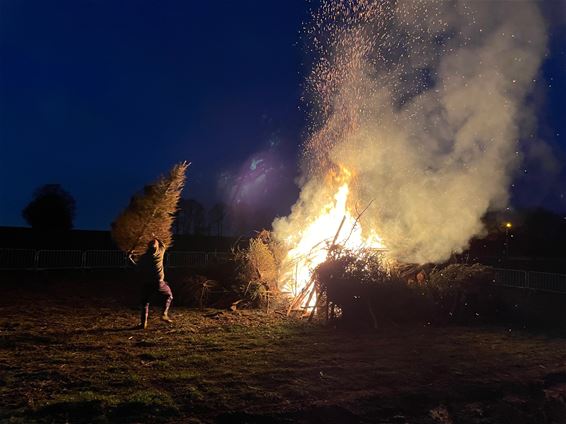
258 268
150 213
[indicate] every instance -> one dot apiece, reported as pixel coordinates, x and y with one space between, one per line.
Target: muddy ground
68 354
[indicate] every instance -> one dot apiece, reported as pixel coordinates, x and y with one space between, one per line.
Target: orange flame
316 237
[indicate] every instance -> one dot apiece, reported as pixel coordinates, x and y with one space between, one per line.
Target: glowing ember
316 238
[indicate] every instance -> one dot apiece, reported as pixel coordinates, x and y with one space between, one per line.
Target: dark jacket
151 264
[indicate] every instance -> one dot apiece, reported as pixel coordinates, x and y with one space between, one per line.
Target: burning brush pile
348 277
332 269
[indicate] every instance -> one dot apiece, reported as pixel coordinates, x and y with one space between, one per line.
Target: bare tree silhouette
190 217
216 216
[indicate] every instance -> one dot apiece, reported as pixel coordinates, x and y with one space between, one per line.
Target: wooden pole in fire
299 298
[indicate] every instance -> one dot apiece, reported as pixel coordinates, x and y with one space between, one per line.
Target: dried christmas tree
150 213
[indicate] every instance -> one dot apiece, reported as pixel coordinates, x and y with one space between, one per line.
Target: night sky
102 96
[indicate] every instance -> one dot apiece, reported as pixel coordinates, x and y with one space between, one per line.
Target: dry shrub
453 276
462 292
194 290
258 269
261 261
363 266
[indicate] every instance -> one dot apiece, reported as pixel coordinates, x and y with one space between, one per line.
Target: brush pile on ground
249 280
365 287
257 270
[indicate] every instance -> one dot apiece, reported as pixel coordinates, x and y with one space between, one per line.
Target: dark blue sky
102 96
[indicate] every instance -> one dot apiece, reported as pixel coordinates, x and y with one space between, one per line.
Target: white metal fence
533 280
18 258
29 259
104 259
511 278
61 259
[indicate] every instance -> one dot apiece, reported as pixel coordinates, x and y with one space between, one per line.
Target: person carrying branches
153 279
143 232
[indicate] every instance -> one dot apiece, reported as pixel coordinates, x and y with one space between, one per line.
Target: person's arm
161 244
131 258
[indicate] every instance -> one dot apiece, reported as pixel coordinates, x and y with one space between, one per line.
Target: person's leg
144 311
165 291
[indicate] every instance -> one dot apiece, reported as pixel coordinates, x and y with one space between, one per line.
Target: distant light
508 225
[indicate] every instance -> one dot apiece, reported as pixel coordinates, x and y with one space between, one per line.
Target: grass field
79 359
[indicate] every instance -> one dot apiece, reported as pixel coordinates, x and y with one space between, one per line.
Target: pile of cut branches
257 270
359 286
365 287
194 290
462 292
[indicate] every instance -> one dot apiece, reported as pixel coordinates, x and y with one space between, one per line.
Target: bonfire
336 226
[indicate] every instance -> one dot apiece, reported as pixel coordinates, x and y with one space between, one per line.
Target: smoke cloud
425 102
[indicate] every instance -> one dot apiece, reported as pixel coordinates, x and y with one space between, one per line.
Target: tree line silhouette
54 208
534 232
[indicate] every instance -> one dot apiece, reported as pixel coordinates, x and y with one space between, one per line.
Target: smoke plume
425 102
